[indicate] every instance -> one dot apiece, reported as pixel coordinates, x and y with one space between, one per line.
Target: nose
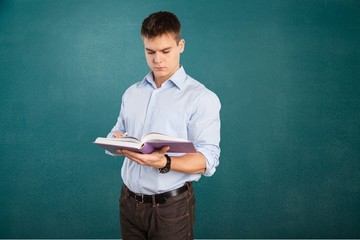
157 58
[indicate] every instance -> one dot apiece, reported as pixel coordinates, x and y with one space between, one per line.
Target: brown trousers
172 220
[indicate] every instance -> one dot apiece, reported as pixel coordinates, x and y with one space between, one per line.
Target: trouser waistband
158 198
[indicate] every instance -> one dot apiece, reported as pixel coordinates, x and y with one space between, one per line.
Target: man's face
163 56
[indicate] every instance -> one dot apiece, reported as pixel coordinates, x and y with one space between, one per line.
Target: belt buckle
161 200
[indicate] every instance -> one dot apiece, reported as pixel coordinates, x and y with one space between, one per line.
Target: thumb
164 150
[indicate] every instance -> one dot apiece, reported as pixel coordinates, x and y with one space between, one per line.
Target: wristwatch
166 169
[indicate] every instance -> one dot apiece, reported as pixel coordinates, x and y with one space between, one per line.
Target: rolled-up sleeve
204 130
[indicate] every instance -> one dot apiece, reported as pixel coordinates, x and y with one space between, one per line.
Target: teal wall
287 74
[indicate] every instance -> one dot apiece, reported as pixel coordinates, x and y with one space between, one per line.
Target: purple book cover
175 147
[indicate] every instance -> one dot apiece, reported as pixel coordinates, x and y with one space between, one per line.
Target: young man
157 200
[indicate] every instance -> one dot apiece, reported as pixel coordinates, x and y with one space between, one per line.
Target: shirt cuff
211 158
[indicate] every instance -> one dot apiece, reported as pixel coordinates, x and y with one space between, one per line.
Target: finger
130 153
164 150
116 135
137 157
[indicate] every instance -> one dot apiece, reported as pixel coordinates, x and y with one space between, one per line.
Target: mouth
159 68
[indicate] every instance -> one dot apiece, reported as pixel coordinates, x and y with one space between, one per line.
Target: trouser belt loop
189 185
153 199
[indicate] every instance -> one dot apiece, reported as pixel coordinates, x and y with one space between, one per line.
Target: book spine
146 148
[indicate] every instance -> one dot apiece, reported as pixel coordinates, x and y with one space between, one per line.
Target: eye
150 52
166 51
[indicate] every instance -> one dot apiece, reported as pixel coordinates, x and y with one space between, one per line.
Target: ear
182 45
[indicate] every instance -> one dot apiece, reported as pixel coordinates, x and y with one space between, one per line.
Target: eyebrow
161 50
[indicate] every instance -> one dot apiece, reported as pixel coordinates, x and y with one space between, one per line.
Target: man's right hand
117 134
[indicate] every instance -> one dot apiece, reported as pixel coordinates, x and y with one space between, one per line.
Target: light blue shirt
181 107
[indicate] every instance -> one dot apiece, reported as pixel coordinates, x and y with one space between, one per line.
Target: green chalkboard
286 72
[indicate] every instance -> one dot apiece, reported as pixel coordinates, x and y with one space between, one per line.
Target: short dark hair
159 23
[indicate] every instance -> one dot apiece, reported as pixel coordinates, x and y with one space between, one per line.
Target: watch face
164 170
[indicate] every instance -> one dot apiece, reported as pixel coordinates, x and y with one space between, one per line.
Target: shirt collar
178 78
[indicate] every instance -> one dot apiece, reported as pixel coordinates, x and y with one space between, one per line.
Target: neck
159 82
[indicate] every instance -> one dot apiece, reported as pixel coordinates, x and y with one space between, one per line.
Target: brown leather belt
158 198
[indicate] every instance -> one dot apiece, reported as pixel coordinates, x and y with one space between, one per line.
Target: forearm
191 163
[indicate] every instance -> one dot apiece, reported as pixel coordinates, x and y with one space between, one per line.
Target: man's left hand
155 159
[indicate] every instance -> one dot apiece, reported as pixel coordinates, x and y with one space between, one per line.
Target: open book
147 144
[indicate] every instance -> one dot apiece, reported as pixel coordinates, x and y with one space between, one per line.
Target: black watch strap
166 169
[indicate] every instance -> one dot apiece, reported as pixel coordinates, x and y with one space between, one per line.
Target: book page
125 139
153 136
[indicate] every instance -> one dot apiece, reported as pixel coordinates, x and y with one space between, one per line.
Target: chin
160 73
